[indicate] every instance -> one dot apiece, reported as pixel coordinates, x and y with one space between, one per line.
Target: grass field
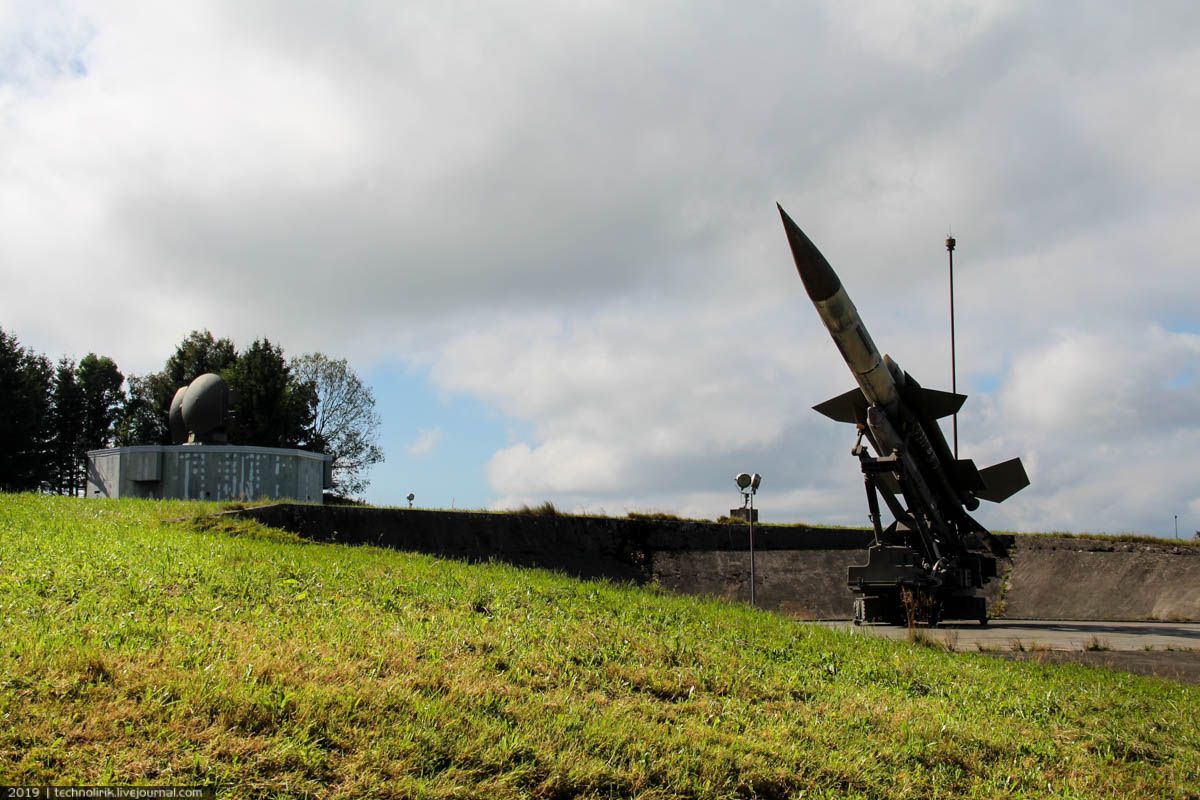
138 650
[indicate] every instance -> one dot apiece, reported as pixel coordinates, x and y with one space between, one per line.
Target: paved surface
1052 635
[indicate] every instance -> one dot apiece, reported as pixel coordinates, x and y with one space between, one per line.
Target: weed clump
232 525
546 509
655 515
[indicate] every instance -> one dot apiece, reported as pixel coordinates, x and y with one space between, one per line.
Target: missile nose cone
820 281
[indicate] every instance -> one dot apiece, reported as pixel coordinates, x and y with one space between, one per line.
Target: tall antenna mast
950 242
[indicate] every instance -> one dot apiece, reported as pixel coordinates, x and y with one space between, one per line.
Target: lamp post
748 485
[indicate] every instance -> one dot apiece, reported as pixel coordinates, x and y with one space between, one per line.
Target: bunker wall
207 472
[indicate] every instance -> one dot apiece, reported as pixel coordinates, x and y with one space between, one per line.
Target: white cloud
1105 384
427 439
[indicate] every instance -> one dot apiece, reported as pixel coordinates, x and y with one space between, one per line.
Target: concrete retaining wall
808 584
800 570
1097 579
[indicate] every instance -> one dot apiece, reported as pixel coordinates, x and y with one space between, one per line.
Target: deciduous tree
103 397
346 425
198 353
142 420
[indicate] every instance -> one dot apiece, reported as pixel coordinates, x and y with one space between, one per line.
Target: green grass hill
139 650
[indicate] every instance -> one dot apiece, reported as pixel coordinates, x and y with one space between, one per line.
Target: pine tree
67 418
26 379
270 408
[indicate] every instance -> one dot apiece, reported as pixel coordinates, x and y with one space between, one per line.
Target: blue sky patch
464 435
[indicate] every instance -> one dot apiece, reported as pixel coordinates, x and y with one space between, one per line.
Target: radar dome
203 408
178 428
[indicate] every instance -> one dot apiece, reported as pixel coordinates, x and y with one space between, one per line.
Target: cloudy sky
546 233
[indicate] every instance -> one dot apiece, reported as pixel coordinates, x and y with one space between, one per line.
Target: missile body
871 370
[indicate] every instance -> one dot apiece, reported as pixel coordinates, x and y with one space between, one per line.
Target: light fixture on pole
748 485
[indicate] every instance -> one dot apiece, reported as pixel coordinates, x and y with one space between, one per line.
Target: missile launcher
933 560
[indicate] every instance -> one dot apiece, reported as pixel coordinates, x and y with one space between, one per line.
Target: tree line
53 413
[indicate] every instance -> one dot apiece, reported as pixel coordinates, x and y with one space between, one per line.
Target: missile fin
850 407
1001 481
966 476
934 404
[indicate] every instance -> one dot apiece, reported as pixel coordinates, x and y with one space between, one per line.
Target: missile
928 490
871 370
894 411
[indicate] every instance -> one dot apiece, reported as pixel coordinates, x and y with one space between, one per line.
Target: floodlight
748 484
